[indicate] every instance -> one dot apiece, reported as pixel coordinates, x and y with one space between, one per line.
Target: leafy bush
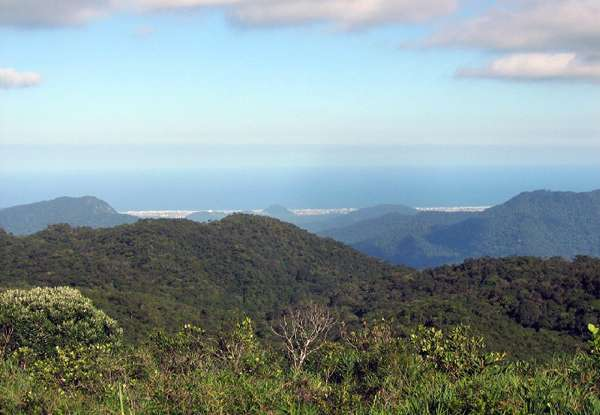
456 352
239 348
595 341
358 368
41 320
86 367
182 352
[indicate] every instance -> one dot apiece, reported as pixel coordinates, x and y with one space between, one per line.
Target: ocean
314 187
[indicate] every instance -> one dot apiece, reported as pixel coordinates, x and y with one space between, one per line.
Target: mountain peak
91 202
548 199
76 211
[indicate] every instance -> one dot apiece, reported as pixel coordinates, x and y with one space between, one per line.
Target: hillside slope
540 223
166 272
400 238
75 211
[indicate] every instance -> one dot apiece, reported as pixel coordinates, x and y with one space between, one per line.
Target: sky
141 84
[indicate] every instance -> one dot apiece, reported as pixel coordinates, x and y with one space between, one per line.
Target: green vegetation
372 369
75 211
45 320
162 274
540 223
166 273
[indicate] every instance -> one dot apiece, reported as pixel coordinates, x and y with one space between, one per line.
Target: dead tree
303 331
5 336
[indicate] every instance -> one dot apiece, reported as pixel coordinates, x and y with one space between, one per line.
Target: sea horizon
298 187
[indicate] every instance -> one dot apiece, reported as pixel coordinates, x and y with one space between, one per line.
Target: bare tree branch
303 331
5 337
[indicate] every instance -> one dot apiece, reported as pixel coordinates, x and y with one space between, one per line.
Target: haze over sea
298 187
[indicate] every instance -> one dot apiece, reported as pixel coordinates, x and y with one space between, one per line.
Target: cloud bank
535 39
45 13
532 25
12 79
541 39
341 13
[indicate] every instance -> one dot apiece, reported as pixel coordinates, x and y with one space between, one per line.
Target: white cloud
178 4
541 39
46 13
10 79
530 25
537 66
342 13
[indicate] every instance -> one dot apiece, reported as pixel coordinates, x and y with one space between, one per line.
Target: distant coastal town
182 214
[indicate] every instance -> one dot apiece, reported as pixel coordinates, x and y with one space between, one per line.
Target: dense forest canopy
165 273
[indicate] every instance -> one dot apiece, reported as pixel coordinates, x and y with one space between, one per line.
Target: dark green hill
544 297
167 272
164 273
540 223
75 211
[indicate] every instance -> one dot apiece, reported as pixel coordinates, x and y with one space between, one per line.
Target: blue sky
250 77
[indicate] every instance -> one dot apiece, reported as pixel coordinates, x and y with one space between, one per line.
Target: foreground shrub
370 370
360 368
303 331
183 352
595 341
456 352
40 320
239 348
86 368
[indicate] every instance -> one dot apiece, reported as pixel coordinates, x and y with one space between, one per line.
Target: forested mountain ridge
164 273
76 211
539 223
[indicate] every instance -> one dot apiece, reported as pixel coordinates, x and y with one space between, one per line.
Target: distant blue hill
75 211
319 223
540 223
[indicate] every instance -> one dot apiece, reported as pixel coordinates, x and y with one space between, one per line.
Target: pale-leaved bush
44 320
